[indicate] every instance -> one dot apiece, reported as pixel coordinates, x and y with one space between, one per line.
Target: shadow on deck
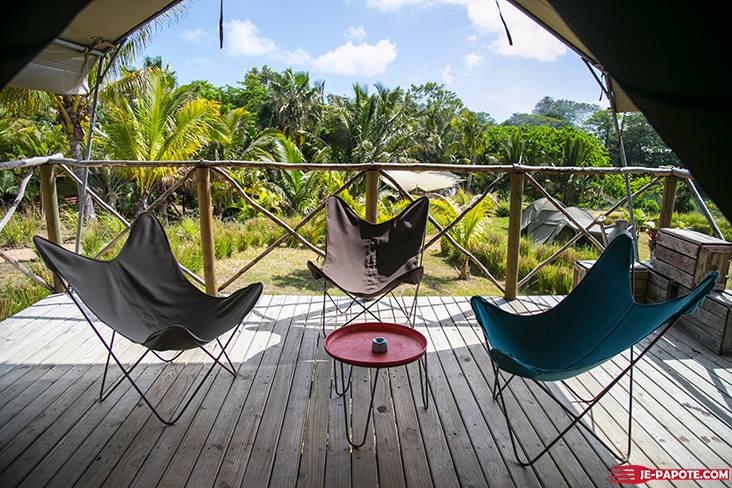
279 423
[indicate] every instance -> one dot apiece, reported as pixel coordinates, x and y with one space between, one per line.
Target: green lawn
284 272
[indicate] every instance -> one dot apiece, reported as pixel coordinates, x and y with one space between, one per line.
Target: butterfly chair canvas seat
598 320
367 260
142 295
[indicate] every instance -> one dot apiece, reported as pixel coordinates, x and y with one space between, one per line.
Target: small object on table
379 344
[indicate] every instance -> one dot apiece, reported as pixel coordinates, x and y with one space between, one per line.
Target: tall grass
21 228
17 294
555 278
698 222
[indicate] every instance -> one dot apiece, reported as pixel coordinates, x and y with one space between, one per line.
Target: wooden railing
518 175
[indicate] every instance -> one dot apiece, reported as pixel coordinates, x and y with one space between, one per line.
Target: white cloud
529 40
447 75
200 61
297 57
195 35
243 39
363 59
357 33
385 5
473 59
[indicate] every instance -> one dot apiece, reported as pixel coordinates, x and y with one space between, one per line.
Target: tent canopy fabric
542 12
666 57
545 223
69 46
426 181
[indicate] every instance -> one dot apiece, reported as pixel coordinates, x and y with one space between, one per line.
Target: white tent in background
543 222
424 181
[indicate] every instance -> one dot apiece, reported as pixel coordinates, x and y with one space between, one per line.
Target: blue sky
458 43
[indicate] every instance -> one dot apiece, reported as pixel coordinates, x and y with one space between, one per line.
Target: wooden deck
280 424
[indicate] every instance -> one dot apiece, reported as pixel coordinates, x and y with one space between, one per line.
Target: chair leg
576 419
408 311
127 372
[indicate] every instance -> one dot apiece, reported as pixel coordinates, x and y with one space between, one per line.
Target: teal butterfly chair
596 321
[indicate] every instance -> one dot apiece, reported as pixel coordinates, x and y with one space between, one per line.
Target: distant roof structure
425 181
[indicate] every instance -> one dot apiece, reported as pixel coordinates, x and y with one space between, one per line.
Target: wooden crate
711 323
639 277
687 257
658 287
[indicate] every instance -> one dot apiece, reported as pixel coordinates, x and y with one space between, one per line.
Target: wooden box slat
639 277
688 256
711 322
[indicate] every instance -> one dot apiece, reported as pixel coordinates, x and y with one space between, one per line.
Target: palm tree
473 138
292 102
574 153
298 189
435 110
471 226
514 149
156 122
371 128
73 110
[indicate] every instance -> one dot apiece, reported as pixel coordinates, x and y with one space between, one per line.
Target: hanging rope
221 25
500 14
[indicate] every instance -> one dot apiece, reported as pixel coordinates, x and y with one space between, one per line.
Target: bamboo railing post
514 236
49 197
372 196
667 201
205 218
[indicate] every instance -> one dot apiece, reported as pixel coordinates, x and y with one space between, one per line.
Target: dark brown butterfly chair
368 261
142 295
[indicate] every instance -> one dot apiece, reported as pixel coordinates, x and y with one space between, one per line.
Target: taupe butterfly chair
368 261
142 295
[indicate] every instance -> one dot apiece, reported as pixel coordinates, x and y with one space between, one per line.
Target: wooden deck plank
184 457
547 470
81 448
337 468
290 445
259 334
237 455
315 441
279 423
390 463
453 355
467 466
476 365
412 453
264 448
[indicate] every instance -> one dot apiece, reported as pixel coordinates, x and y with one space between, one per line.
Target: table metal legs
345 385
